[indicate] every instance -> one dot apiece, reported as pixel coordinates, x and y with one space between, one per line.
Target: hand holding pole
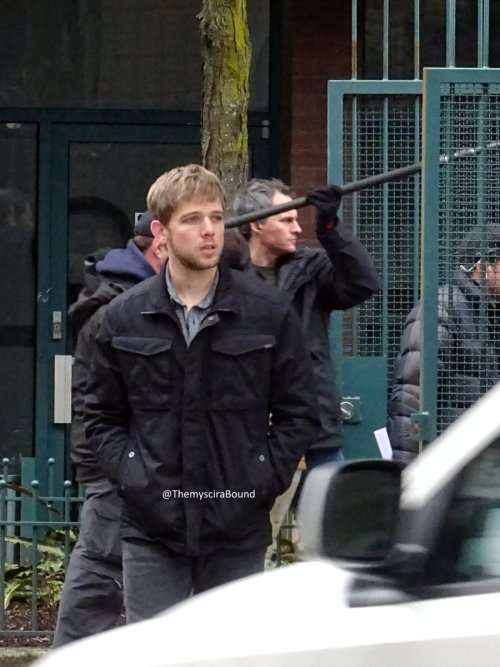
348 188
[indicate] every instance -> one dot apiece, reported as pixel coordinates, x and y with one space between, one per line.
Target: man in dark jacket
317 281
199 406
469 342
92 598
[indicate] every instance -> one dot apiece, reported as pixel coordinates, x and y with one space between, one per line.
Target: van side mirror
350 511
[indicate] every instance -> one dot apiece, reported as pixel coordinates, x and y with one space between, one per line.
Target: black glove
327 202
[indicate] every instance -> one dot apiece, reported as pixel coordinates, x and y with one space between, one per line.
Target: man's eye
218 218
192 220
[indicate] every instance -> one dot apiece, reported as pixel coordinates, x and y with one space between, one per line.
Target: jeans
155 578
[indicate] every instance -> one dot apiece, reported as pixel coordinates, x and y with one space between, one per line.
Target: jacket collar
159 301
297 268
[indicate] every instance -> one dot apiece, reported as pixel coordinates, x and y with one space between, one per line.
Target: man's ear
160 245
156 228
256 226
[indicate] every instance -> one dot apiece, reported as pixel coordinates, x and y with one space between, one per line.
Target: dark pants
156 578
92 595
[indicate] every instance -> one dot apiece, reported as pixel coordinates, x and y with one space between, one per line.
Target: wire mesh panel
461 229
381 131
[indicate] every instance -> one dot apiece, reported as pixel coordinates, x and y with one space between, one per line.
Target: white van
404 571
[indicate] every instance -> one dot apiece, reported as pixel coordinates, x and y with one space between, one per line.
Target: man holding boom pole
339 275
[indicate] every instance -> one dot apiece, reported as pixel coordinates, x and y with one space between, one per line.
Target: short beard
195 265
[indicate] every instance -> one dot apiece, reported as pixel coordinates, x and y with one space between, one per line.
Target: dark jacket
107 274
163 417
467 361
317 281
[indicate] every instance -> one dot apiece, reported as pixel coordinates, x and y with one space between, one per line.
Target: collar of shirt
205 303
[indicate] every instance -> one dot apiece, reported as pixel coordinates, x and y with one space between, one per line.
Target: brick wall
319 45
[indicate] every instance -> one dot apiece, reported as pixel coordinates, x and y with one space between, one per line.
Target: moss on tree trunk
226 68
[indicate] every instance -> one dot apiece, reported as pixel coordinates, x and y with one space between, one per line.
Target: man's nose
296 228
207 227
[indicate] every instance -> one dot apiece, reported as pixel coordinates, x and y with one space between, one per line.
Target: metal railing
37 533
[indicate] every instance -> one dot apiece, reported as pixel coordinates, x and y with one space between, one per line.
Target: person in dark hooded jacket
469 342
92 598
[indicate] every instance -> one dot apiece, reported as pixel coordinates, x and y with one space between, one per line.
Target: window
469 545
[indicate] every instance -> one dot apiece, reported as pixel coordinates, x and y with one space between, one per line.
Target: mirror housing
349 511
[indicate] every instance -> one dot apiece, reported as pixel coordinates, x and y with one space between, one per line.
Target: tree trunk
226 67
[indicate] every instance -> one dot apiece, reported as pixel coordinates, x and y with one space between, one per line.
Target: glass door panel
18 183
108 184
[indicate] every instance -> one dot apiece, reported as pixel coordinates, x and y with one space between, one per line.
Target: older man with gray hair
337 276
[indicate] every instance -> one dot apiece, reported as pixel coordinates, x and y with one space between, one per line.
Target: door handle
347 410
350 409
62 388
56 325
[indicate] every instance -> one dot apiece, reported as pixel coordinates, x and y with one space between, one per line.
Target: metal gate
381 123
376 125
461 248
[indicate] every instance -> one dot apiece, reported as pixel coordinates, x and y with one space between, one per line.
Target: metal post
450 32
483 32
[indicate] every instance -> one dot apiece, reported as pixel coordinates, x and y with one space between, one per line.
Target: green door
373 127
96 179
99 178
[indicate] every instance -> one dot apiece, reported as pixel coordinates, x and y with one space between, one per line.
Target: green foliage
49 569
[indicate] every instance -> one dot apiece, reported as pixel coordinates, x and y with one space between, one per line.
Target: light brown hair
182 184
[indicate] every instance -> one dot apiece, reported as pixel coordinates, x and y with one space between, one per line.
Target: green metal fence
374 125
381 123
461 194
37 534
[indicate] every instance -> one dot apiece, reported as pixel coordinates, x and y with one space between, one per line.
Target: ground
18 617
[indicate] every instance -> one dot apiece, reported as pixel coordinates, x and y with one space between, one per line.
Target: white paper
383 442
